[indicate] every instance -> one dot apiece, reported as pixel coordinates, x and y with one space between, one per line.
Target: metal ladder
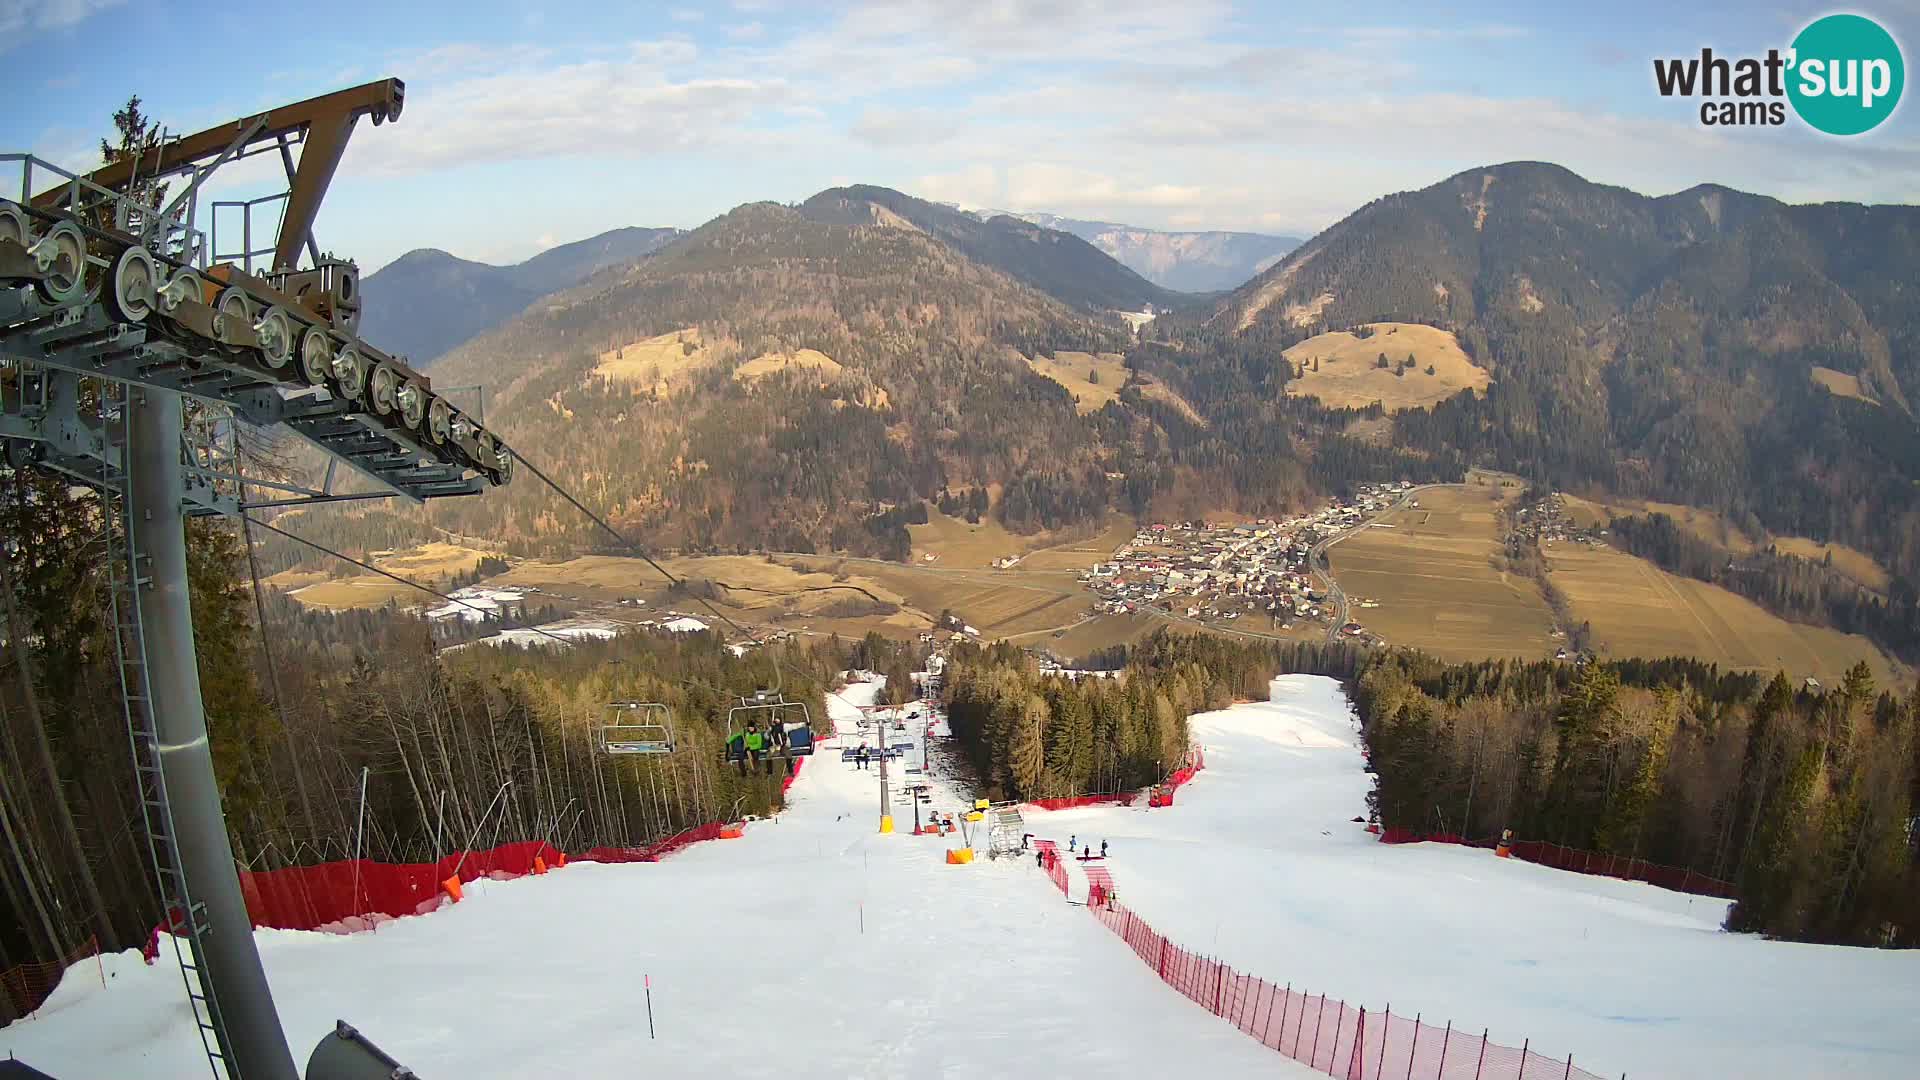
183 917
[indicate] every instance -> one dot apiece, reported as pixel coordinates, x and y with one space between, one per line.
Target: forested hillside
1802 798
427 301
776 381
1664 347
1057 263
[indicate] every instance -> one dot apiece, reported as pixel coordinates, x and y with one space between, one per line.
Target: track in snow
759 963
1259 863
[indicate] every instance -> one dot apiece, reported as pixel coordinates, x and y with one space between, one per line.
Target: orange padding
732 832
451 887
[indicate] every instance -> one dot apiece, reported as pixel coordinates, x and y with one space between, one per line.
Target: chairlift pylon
769 708
637 727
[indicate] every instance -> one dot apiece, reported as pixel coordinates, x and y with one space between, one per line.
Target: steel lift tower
132 353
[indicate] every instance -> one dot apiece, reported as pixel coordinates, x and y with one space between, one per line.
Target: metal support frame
256 1043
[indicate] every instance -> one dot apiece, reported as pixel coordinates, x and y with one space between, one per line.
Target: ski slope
812 947
1259 863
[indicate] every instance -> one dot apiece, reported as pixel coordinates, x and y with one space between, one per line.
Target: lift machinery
133 350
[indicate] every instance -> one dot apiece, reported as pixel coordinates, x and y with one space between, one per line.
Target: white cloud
17 16
752 31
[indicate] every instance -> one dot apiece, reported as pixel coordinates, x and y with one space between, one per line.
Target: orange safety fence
28 985
1330 1036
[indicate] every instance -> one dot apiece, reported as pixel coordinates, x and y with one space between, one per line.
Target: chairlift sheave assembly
637 727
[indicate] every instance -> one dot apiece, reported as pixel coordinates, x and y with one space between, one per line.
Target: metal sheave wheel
350 373
316 356
412 402
62 257
276 338
13 225
504 471
132 295
183 287
383 388
439 420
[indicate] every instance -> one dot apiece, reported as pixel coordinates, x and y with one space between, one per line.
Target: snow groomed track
811 947
1260 864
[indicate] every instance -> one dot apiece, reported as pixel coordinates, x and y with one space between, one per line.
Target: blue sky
528 126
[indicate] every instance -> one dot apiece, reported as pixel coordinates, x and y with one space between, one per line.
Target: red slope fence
1160 794
347 895
1576 860
1330 1036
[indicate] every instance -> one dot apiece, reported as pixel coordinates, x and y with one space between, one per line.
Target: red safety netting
1578 861
355 894
27 985
1160 794
1083 800
1331 1036
1050 862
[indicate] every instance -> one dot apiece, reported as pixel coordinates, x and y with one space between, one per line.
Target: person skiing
1073 843
1103 849
1040 858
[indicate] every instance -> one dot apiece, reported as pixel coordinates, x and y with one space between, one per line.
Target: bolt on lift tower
131 353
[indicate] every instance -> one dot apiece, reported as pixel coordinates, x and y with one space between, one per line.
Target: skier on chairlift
756 743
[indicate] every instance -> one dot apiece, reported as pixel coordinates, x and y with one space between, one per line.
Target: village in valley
1263 569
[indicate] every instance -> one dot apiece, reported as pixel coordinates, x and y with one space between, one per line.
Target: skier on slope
1073 843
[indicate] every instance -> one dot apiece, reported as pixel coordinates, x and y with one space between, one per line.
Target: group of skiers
1073 844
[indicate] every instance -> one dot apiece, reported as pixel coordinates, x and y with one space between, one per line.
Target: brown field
1073 556
1714 529
1852 562
762 366
365 591
1070 369
1349 375
429 564
1436 587
662 363
1099 632
1841 384
1637 609
1593 512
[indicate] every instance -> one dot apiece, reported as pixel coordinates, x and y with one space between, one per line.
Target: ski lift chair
637 727
770 709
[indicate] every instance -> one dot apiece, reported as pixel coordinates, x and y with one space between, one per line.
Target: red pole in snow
649 984
1569 1072
1483 1054
1444 1041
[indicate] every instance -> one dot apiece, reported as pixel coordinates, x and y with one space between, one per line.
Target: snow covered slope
813 947
1259 863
